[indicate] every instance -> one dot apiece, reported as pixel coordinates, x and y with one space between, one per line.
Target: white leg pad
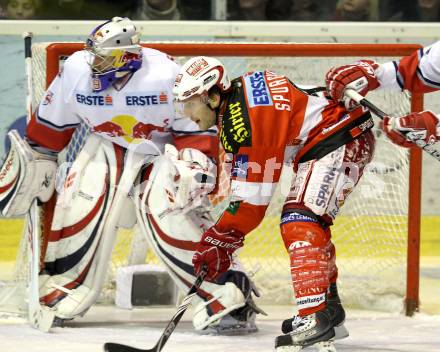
95 171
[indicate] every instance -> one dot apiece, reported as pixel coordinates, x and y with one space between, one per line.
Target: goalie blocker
24 176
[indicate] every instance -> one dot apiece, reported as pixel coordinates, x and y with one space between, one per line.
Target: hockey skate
336 311
315 329
318 330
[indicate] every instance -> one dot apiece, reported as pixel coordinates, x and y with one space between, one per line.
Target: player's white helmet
199 75
116 50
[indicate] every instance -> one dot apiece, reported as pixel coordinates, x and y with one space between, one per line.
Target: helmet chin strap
121 74
119 81
216 110
219 109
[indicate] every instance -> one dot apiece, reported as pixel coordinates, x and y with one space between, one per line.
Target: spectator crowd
253 10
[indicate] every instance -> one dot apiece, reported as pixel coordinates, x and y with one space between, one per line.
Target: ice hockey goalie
140 163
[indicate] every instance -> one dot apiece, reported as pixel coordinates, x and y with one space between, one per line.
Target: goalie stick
39 317
116 347
352 94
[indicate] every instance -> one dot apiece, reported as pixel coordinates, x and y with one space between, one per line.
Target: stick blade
116 347
41 319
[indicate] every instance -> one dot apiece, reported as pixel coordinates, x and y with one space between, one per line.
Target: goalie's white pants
91 206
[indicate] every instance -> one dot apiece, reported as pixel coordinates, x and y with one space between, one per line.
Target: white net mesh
371 232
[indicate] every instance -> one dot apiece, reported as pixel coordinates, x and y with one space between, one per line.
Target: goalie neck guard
115 51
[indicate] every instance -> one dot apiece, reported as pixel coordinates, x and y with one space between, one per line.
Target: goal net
376 235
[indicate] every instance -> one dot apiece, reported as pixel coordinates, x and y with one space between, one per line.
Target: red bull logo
127 127
144 130
109 128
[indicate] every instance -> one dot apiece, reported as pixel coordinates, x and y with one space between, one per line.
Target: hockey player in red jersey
126 172
418 73
265 122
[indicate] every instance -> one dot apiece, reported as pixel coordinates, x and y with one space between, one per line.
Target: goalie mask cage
377 232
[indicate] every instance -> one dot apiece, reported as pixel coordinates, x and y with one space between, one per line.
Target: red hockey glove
359 76
215 250
422 124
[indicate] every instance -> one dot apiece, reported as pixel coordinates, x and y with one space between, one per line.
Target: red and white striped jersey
266 122
138 114
418 72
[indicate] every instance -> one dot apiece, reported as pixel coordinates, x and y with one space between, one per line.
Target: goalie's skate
238 315
239 322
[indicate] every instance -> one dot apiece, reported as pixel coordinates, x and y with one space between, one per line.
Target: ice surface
369 331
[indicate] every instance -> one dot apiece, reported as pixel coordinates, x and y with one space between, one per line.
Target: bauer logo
256 90
240 167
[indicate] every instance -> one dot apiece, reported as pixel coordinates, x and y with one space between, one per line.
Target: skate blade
233 331
325 346
289 349
341 332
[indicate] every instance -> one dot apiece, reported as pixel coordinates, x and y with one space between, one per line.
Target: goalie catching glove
194 176
360 76
422 125
215 249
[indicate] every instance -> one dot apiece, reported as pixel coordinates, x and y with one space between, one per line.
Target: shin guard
311 260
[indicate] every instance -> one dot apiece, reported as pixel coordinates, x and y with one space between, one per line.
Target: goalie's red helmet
199 75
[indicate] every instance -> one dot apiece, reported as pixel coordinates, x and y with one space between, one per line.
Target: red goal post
350 52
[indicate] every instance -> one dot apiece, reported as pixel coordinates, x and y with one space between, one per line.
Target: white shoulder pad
24 176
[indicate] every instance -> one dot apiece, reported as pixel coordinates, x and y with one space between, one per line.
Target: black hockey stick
411 136
116 347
